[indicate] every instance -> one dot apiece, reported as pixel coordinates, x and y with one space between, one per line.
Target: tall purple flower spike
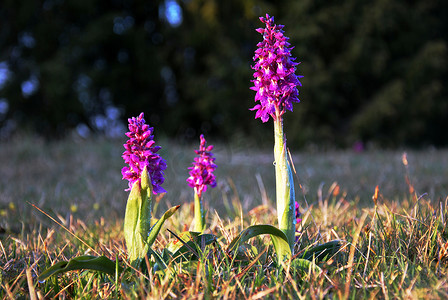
141 152
201 173
275 80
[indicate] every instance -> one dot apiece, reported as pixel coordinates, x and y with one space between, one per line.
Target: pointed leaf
88 262
132 234
278 238
145 213
158 225
145 180
137 218
322 252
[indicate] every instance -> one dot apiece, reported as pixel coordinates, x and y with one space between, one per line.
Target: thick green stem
284 184
199 218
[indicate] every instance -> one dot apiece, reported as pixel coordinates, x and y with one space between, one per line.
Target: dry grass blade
31 290
352 254
66 229
8 291
264 293
251 264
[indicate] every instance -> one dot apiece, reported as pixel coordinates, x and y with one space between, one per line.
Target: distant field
83 176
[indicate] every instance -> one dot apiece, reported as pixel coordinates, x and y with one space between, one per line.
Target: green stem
284 184
199 218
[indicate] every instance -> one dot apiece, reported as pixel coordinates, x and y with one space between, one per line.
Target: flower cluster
140 153
275 80
201 173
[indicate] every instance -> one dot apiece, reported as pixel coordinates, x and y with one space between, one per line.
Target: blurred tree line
375 71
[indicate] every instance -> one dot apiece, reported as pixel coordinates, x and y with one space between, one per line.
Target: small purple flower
298 214
275 80
298 220
201 173
141 152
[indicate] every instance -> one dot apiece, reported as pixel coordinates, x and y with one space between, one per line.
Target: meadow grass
394 247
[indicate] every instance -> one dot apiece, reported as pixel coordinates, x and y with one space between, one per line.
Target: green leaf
305 265
185 236
176 250
278 238
137 218
160 263
87 262
192 243
138 233
322 252
146 209
152 235
154 231
132 221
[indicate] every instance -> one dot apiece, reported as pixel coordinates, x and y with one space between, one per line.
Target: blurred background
375 71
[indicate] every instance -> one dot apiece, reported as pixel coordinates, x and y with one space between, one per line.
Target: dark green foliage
374 71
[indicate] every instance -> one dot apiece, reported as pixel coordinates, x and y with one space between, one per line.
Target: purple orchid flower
141 152
298 214
275 80
201 173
